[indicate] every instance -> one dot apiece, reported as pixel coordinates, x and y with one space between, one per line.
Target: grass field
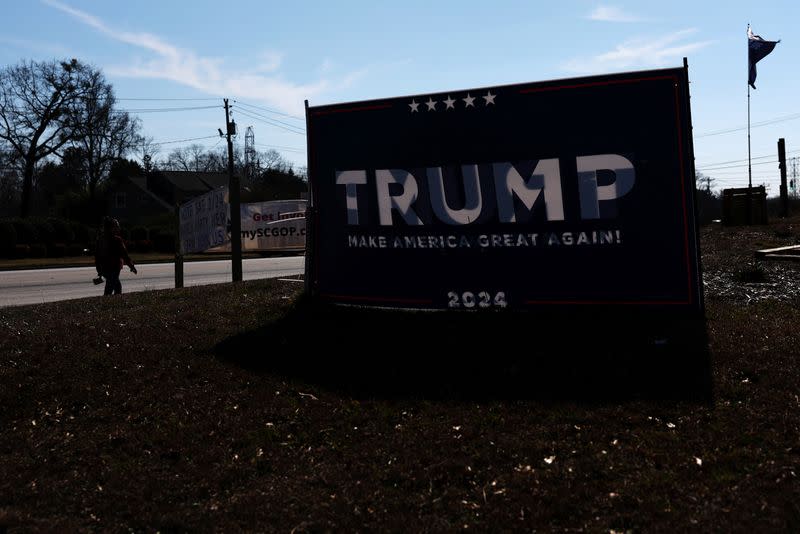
235 407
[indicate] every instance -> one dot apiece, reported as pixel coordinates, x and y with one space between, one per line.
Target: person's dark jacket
113 257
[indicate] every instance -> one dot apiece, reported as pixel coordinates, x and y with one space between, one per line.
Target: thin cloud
269 61
612 14
208 74
639 53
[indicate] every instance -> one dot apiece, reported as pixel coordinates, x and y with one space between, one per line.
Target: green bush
154 233
56 250
138 233
62 230
144 245
45 233
22 251
80 232
38 250
73 250
8 238
26 231
164 242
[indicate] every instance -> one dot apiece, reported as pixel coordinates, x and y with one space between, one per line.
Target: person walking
110 255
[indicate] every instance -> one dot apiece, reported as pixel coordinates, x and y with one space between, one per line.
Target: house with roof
140 200
150 199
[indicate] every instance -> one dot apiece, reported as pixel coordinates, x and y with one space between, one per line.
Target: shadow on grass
386 353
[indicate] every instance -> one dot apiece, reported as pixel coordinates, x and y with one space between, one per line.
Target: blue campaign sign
565 193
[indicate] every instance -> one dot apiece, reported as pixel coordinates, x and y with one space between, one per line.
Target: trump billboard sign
575 193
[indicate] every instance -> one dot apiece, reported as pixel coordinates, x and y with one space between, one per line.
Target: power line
269 110
170 99
753 125
745 159
737 174
704 169
279 147
736 161
270 122
745 179
133 110
164 110
184 140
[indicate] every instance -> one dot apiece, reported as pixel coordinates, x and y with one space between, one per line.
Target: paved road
35 286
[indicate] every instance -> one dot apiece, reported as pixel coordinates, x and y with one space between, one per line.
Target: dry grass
233 407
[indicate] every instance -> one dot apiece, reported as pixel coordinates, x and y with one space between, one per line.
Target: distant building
151 199
141 199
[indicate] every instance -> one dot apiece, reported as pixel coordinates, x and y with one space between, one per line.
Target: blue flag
757 49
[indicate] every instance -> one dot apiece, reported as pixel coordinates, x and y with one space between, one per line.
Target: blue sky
270 56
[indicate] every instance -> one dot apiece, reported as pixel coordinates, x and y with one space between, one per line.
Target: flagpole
749 161
749 164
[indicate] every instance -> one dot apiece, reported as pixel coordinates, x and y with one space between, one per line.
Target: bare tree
197 158
177 160
218 159
150 149
34 100
10 182
102 134
703 181
194 158
270 159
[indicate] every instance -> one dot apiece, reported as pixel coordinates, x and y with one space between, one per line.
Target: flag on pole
757 49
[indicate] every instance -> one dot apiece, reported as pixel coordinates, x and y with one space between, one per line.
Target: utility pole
784 188
234 201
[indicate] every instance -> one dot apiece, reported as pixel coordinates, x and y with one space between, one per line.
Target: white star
431 103
468 101
449 102
413 105
489 98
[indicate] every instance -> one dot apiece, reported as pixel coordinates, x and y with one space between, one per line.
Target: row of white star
450 103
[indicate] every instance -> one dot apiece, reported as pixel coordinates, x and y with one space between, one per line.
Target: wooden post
178 255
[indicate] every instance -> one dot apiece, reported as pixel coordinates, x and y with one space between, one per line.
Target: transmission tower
793 185
249 155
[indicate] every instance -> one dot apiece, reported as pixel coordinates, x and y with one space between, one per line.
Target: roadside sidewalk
88 261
